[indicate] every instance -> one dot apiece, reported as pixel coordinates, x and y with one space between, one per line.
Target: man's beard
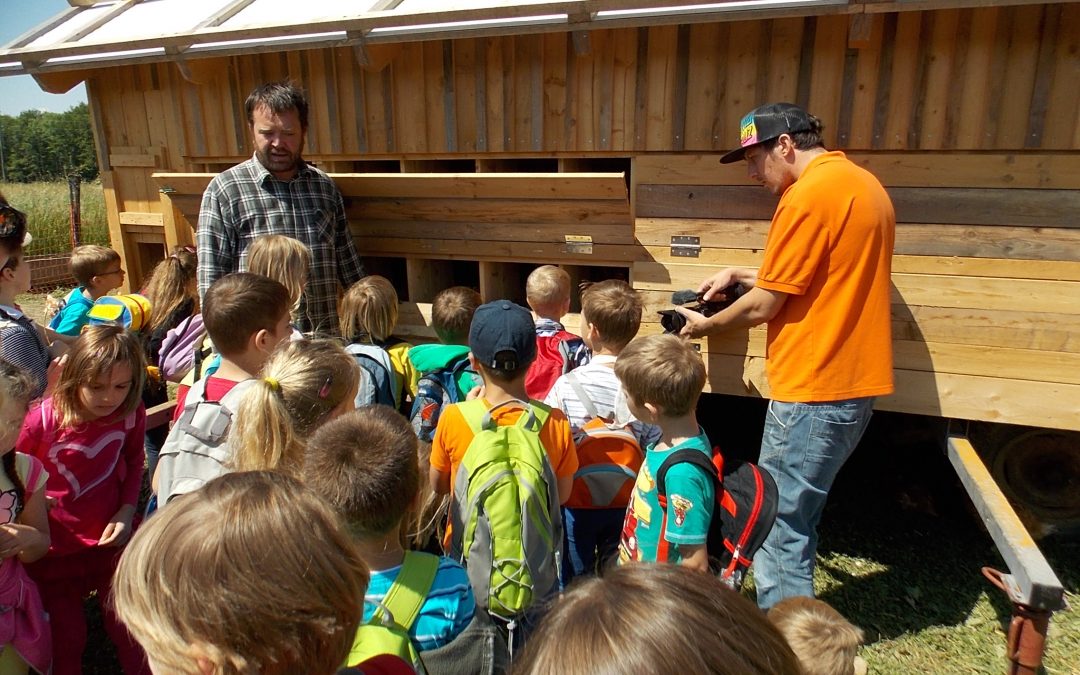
278 162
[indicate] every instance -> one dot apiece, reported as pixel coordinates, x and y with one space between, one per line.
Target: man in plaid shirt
277 192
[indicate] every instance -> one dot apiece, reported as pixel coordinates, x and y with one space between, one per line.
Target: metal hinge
685 246
578 243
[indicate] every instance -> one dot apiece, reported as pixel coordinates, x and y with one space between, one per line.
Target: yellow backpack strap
411 587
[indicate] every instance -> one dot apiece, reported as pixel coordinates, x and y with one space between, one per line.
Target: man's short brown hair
90 261
238 305
452 312
364 464
663 370
615 309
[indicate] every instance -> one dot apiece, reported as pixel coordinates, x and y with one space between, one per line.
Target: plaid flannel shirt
246 202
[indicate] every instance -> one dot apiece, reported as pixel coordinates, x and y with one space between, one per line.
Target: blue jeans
588 534
803 448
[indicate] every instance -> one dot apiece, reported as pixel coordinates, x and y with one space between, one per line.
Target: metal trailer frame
1032 587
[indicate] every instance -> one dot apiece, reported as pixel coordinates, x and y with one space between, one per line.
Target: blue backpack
379 381
434 392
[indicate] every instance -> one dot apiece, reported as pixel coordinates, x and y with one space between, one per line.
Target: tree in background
46 146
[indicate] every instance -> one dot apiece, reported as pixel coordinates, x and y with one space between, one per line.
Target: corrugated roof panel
73 25
155 17
296 12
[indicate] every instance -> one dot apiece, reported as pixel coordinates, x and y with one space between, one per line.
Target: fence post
74 199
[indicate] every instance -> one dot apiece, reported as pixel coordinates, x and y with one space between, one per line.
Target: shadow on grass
901 547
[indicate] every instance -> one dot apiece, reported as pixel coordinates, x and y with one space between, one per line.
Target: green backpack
506 523
388 630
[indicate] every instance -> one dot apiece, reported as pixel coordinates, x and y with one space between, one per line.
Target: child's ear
474 363
262 340
654 410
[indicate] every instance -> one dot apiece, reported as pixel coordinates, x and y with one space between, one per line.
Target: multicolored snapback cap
766 123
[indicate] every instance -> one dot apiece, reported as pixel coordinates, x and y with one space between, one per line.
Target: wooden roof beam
224 14
102 20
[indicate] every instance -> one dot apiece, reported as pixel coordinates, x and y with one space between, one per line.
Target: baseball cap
766 123
503 335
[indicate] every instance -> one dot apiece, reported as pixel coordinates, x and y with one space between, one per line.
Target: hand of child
118 531
15 538
475 393
52 375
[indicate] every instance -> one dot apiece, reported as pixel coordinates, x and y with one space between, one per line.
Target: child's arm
28 537
118 530
440 481
694 556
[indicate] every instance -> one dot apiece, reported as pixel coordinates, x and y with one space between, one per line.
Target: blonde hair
824 641
663 370
171 284
369 310
90 260
547 288
252 573
283 259
452 312
94 354
303 382
614 309
657 619
426 523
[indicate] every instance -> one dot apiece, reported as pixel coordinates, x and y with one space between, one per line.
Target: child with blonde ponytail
304 384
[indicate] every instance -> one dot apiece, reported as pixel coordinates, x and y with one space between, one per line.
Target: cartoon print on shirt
682 506
7 506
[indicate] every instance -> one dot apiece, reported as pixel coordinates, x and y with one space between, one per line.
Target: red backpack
609 457
743 515
554 357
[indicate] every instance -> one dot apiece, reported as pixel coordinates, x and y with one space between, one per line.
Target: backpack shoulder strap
475 414
409 591
230 399
684 456
583 396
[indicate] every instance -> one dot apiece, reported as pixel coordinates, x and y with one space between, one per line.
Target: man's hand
697 324
717 282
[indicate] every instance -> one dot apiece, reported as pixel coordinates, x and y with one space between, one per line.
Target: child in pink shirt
24 535
89 436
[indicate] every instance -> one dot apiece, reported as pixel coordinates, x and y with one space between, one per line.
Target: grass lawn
46 206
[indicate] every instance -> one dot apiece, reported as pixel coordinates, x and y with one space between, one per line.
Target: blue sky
20 92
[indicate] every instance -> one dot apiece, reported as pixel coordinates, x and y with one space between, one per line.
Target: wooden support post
427 277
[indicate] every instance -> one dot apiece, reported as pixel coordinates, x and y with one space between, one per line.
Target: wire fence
58 226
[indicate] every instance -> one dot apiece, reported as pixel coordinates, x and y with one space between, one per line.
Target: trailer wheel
1038 470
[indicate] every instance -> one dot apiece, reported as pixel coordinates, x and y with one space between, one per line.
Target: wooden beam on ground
1036 585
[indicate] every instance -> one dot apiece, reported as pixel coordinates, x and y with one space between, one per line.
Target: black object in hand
673 322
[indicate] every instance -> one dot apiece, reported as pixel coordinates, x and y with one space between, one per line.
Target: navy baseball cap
766 123
503 335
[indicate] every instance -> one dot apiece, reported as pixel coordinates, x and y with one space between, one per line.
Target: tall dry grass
46 206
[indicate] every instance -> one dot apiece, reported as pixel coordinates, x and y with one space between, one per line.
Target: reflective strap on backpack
410 589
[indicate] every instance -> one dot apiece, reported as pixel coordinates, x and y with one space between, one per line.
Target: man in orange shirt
823 289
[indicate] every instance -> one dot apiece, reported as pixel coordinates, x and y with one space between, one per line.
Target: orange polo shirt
830 249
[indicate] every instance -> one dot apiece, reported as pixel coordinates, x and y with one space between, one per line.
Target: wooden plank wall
986 277
426 232
971 116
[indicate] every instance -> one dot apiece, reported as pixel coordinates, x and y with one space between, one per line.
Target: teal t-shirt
690 498
71 319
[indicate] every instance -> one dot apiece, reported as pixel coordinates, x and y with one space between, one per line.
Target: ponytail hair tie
274 385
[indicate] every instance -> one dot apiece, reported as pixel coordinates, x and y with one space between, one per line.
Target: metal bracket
685 246
578 243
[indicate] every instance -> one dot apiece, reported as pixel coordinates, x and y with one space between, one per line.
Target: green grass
46 206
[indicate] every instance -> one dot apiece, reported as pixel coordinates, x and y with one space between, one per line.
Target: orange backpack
609 457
